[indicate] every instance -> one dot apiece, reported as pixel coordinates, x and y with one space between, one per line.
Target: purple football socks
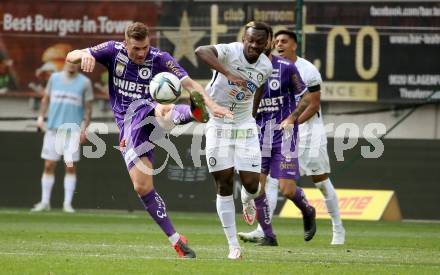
299 199
263 215
155 206
181 114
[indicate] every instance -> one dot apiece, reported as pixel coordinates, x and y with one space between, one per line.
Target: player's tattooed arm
312 108
257 99
300 108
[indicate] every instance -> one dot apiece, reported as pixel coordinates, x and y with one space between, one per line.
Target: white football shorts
61 143
231 146
313 161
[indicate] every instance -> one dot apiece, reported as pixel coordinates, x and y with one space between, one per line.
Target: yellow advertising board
354 204
349 91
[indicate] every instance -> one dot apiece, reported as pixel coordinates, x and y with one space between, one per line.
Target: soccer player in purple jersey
277 118
131 65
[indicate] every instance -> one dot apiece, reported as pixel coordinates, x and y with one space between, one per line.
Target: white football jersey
237 99
312 132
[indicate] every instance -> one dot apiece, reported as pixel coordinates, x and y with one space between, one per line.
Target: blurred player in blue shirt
68 96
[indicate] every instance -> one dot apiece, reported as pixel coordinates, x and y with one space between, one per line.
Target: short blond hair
137 30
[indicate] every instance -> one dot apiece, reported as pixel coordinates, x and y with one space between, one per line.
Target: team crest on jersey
144 73
274 84
120 68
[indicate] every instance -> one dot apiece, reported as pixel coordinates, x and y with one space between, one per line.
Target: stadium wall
407 166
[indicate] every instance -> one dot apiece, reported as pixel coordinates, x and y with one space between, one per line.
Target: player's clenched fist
87 63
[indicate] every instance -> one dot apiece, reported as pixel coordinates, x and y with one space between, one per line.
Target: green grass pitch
117 242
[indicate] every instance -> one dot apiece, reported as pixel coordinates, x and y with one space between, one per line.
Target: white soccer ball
165 88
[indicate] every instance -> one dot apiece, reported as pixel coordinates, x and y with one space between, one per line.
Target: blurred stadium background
379 61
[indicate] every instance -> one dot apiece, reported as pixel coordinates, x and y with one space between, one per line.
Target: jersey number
232 107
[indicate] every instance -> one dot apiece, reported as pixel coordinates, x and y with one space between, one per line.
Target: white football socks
331 200
47 181
246 196
174 238
226 212
69 188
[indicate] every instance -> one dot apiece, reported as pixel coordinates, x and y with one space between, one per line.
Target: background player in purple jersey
277 119
131 65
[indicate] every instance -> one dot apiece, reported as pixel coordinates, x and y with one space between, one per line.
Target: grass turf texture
92 242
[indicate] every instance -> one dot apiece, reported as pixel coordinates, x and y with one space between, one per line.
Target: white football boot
40 207
254 236
67 208
338 235
234 253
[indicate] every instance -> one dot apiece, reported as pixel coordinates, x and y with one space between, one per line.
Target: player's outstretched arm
218 111
209 55
83 56
302 105
312 108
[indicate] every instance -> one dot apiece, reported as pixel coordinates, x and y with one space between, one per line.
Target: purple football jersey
129 81
278 100
278 151
128 86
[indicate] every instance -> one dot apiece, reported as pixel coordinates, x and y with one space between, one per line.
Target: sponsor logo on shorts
255 165
212 161
287 165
